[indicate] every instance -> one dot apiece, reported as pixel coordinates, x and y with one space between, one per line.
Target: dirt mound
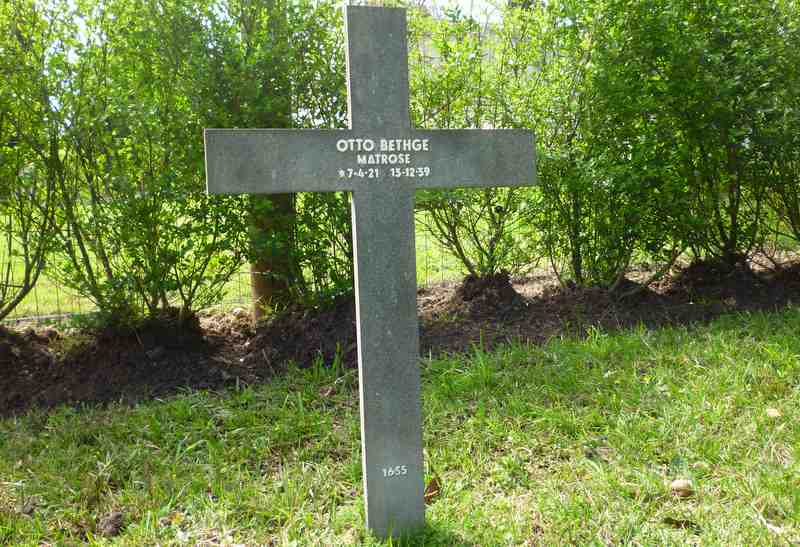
47 367
156 359
487 295
168 329
789 275
21 355
714 276
734 287
303 335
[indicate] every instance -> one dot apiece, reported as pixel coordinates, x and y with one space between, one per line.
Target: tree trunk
273 270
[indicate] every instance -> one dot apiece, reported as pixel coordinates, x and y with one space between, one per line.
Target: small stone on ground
682 488
111 524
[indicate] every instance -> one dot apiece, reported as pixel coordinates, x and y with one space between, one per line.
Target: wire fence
51 301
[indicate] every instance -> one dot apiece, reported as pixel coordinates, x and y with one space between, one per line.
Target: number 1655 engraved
396 471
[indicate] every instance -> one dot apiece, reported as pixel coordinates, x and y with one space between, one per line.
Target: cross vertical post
383 231
382 161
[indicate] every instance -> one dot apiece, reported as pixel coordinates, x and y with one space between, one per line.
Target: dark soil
303 335
46 367
488 296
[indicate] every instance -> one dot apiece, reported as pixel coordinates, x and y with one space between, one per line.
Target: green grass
571 443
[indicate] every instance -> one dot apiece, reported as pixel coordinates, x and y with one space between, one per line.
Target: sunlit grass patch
572 442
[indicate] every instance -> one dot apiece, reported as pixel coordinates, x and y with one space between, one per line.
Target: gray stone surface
388 358
277 160
377 68
382 161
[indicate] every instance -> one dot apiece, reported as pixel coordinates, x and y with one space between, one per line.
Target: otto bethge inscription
382 161
371 155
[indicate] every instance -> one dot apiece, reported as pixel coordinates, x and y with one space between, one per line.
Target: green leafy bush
686 93
462 76
137 231
124 91
30 159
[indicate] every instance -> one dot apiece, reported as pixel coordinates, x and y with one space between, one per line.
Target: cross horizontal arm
475 157
281 160
273 161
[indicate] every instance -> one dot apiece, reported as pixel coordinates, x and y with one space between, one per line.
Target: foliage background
664 129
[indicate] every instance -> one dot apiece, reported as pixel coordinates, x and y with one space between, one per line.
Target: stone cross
382 160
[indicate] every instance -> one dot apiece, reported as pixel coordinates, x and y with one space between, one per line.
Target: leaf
683 524
432 490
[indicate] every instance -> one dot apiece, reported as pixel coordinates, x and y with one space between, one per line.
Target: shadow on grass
432 535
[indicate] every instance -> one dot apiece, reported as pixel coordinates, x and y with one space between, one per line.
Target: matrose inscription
383 152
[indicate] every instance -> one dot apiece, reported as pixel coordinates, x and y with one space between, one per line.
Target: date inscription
384 158
393 172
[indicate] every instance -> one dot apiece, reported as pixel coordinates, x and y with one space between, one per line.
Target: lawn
574 442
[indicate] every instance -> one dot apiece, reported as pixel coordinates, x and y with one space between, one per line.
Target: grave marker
382 160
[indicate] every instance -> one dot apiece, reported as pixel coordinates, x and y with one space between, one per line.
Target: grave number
395 471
